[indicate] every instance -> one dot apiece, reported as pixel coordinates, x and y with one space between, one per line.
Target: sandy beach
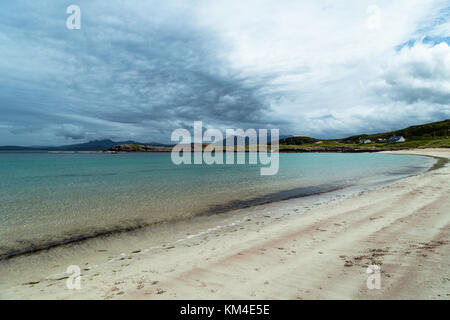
292 249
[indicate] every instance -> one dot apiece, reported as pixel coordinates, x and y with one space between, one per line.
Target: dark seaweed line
52 244
441 162
233 205
273 197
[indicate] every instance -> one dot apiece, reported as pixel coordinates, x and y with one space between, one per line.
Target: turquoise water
47 199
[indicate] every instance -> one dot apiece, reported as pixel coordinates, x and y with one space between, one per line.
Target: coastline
34 238
144 226
288 250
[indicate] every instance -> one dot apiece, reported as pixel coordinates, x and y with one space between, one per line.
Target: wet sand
291 249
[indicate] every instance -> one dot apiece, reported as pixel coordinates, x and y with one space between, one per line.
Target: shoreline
157 149
144 227
136 226
237 247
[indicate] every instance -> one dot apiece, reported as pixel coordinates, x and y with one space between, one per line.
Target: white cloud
319 61
441 30
418 73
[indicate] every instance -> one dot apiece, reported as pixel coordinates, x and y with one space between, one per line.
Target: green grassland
431 135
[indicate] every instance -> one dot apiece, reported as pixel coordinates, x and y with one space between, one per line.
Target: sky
137 70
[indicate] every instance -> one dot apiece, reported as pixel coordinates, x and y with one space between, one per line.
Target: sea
48 199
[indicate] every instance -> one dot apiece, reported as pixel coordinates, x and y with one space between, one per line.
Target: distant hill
247 140
430 135
297 140
434 130
96 145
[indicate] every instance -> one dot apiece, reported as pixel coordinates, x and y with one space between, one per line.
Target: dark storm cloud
122 72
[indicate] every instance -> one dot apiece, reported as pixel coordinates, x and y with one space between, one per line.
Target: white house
395 139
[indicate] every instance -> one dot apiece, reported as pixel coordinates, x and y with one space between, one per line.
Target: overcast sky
140 69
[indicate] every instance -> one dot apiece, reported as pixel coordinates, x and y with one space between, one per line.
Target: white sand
277 251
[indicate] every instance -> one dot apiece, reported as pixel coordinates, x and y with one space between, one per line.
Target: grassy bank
430 135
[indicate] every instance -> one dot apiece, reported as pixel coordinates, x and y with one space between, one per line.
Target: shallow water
48 199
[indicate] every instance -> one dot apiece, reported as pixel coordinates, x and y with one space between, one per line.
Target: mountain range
435 134
95 145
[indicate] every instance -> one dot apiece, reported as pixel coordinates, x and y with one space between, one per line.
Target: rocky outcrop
137 148
343 149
